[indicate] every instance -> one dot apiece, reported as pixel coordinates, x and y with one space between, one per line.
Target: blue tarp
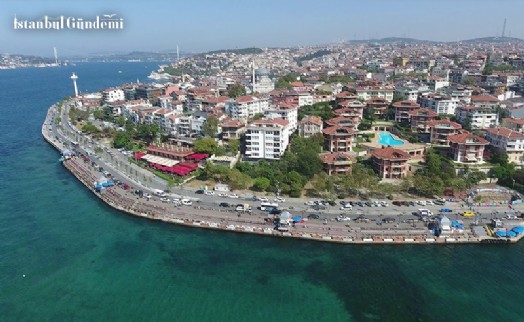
297 218
518 229
501 233
511 234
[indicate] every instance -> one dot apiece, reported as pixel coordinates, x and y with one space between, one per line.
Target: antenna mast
504 28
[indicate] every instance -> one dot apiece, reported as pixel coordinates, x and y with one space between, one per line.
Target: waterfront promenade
206 216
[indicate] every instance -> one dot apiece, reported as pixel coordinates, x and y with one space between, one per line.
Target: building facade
267 139
391 163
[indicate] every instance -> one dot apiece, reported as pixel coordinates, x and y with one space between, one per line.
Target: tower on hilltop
74 78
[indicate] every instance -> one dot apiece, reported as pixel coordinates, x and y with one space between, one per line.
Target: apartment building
267 139
509 141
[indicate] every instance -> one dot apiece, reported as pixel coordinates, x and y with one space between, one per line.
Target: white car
187 202
309 203
147 195
222 195
263 199
279 199
209 192
233 196
164 199
342 218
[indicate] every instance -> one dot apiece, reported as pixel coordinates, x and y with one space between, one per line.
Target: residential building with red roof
232 129
419 119
377 106
338 138
309 126
391 163
509 141
288 112
467 147
267 139
441 129
402 110
337 163
515 124
350 122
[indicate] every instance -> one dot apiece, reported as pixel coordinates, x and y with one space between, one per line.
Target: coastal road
118 164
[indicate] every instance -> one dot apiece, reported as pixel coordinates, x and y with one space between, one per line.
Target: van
424 213
346 206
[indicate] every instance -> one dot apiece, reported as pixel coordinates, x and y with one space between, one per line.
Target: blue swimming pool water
387 139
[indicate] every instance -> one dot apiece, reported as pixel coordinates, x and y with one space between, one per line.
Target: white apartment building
267 139
442 105
509 141
111 95
405 94
286 112
478 117
246 107
369 92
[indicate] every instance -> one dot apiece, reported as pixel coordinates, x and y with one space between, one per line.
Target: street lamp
513 186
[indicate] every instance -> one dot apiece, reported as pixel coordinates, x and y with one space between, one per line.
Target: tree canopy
236 90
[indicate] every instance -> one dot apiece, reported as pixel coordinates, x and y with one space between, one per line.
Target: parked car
199 192
313 216
346 207
388 220
164 199
147 195
233 196
445 210
209 192
318 207
222 195
309 203
187 202
342 218
279 199
468 214
223 204
361 218
263 199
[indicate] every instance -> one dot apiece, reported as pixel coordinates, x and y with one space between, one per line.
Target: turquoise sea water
387 139
83 261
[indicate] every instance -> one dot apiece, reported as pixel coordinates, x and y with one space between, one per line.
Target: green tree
210 126
261 184
238 180
234 146
120 121
236 90
121 140
90 128
205 145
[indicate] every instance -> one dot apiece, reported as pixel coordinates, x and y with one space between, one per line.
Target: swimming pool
387 139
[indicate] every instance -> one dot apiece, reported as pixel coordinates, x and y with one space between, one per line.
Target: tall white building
442 105
267 139
286 112
246 107
261 83
111 95
509 141
478 117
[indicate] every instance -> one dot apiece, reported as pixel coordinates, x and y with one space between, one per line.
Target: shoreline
227 220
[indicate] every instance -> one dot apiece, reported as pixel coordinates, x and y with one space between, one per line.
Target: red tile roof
313 119
464 137
278 121
484 98
513 120
444 121
423 112
390 153
505 132
336 156
406 104
334 130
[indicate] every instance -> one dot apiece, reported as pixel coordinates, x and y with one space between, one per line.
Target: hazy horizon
161 25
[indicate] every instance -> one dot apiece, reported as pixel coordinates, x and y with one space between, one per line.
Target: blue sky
195 25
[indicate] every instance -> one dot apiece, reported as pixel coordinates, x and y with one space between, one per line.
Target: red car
126 186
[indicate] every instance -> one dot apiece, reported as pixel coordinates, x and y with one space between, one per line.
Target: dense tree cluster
321 109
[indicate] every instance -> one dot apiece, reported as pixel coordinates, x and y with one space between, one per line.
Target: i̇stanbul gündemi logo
102 22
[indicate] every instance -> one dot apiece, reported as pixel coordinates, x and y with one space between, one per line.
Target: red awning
197 156
189 165
139 155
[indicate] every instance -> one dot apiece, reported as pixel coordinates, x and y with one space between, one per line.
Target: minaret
74 78
177 54
254 74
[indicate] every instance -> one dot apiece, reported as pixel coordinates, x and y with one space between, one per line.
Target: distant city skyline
197 26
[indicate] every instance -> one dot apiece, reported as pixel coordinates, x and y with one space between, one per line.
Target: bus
266 205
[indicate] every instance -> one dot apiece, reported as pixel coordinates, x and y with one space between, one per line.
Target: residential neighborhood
383 106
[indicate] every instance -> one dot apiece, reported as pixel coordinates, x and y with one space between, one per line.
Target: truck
424 213
243 207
